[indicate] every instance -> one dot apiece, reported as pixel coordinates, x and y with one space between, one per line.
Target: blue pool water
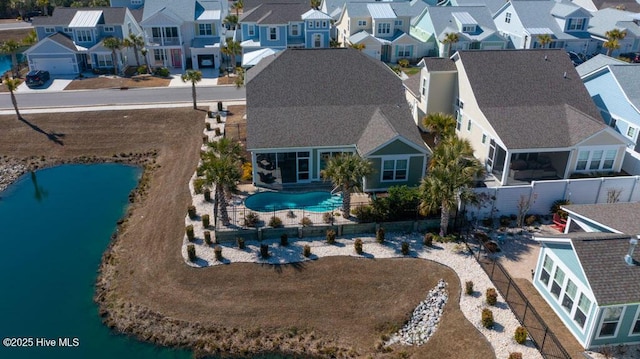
309 201
5 62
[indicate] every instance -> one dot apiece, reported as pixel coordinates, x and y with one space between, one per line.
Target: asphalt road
14 25
108 97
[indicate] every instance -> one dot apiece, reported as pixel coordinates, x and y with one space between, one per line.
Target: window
631 132
459 103
404 50
469 28
610 319
575 24
324 24
273 33
49 30
105 60
311 24
362 23
583 309
635 329
67 30
424 87
170 32
397 23
317 40
251 29
294 30
458 115
158 55
507 18
609 159
384 28
596 160
596 157
613 122
84 35
558 279
469 125
108 29
484 138
205 30
569 295
136 2
318 24
546 270
395 170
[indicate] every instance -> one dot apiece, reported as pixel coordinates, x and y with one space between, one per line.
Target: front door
303 167
386 53
176 58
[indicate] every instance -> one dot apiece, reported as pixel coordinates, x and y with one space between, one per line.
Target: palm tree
347 171
231 49
315 4
194 76
30 39
11 47
135 42
12 85
544 40
614 37
449 39
237 6
240 79
441 125
334 43
144 52
231 21
452 171
113 44
358 47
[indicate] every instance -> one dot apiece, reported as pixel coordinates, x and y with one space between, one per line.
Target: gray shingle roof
301 98
62 16
528 100
443 21
607 19
596 63
412 83
623 217
275 13
629 5
439 64
628 76
537 14
64 40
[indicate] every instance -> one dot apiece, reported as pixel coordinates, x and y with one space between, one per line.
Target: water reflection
39 192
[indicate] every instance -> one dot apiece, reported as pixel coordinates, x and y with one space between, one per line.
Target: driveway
53 85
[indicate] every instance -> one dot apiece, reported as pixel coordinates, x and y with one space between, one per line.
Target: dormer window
469 28
576 24
466 22
397 22
362 23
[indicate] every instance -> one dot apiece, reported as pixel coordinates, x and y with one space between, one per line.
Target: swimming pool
5 62
317 201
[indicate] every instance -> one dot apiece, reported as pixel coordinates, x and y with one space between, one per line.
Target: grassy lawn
336 305
411 70
16 34
117 82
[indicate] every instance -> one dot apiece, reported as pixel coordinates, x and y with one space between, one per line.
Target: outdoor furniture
559 223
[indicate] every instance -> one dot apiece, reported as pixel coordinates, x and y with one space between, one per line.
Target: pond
54 226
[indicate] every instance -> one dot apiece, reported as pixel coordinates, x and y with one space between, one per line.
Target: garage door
56 66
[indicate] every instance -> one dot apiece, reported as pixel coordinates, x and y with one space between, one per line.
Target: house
70 40
493 5
282 24
473 24
595 5
302 110
525 21
527 115
608 19
182 34
614 89
383 29
591 278
131 4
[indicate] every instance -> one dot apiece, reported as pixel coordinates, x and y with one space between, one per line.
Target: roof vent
632 245
564 75
545 58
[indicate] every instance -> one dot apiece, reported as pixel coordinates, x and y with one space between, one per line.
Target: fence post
526 306
493 268
544 338
506 295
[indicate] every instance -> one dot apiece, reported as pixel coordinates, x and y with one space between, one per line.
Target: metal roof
464 18
381 11
539 31
315 15
209 15
86 18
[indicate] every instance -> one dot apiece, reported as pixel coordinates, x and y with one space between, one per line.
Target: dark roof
413 83
250 4
629 5
325 97
137 14
439 64
532 98
275 13
62 16
64 40
622 217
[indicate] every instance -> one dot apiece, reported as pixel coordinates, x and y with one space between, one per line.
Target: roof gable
620 217
55 43
628 78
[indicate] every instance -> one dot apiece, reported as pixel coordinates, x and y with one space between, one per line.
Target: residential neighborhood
301 174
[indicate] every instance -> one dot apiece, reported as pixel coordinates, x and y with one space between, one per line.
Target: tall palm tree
346 171
449 39
114 44
136 42
237 6
452 171
194 76
544 40
12 85
441 125
11 47
231 49
614 36
144 52
231 21
315 4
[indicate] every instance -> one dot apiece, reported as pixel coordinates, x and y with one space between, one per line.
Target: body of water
316 201
5 62
54 226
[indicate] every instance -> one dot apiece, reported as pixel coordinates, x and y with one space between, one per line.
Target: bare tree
524 205
613 195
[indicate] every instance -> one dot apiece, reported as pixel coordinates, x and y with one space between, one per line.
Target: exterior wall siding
281 40
415 173
624 328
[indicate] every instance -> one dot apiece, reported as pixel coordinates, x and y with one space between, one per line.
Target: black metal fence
544 339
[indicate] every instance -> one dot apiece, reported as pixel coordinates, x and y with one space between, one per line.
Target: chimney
632 245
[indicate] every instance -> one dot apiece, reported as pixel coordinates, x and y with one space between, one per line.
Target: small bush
306 222
491 296
142 69
487 318
380 235
264 250
403 63
251 219
218 253
405 248
205 221
284 239
207 195
207 125
327 217
331 236
191 211
207 237
275 222
357 245
365 214
218 118
219 106
162 72
306 251
428 239
530 220
515 355
247 171
218 132
190 233
191 252
520 335
240 242
505 221
468 287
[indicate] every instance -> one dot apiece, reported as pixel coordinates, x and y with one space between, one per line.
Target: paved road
15 25
121 97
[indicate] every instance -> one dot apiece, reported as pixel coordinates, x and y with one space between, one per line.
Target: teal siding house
302 110
591 278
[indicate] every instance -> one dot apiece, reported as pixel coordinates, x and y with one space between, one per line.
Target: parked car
631 56
576 58
37 78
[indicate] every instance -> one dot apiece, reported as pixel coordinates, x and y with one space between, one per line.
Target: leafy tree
544 40
30 39
449 39
11 47
136 42
12 85
114 44
231 21
358 47
441 125
614 37
315 4
45 6
346 171
194 76
452 171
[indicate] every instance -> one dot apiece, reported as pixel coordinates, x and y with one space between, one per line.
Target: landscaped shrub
403 63
142 69
190 233
365 214
491 296
251 219
520 335
331 236
505 221
327 217
515 355
207 194
218 132
380 235
218 253
162 72
357 245
468 287
240 242
207 237
275 222
487 318
306 222
219 106
428 239
247 171
306 251
405 248
264 250
191 252
530 220
284 239
205 220
555 208
218 118
191 211
207 126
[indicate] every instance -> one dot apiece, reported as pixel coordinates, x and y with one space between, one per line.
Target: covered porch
522 166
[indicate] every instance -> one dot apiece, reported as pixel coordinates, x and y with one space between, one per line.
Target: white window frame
84 35
633 324
577 307
67 30
560 283
618 322
316 38
507 17
294 30
49 30
136 2
251 30
546 270
485 137
318 24
631 131
324 24
362 23
397 22
468 28
404 50
205 29
109 29
423 90
565 294
104 60
383 28
395 160
270 34
591 151
469 125
311 24
571 23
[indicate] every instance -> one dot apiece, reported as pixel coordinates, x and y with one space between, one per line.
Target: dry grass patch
117 82
14 34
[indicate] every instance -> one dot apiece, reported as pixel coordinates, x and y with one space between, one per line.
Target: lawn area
15 34
411 70
117 82
338 305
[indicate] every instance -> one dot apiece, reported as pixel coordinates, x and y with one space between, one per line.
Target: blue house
591 279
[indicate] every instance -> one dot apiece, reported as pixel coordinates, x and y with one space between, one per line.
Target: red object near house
559 223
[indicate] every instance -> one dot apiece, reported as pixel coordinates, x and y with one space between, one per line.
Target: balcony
166 41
